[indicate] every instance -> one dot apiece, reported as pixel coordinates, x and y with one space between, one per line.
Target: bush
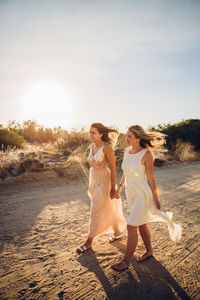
187 131
74 140
10 138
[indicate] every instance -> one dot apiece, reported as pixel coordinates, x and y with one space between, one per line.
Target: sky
118 62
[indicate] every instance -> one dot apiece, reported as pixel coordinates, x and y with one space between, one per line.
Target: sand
42 223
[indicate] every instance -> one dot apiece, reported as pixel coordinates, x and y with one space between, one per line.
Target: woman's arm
120 187
149 166
110 156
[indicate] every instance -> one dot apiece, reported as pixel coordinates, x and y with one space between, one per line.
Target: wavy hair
151 140
109 135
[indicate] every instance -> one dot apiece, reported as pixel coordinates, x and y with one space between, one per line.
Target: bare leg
131 246
116 230
146 237
88 243
131 243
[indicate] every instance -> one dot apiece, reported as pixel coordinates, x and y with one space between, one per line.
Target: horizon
87 127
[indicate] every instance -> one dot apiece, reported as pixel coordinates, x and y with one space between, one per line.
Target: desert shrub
35 133
187 131
74 140
11 138
184 151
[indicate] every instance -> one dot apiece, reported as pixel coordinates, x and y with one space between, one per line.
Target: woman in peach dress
106 211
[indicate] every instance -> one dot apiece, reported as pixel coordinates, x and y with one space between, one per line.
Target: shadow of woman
148 280
90 261
158 280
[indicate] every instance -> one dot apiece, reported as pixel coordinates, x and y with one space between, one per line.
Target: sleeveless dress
105 213
140 197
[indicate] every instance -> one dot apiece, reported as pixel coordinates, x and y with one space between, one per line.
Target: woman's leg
88 242
146 237
117 232
131 243
131 246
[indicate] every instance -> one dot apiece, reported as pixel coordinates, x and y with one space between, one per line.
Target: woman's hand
157 204
118 192
112 192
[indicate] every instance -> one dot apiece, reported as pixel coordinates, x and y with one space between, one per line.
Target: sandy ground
42 223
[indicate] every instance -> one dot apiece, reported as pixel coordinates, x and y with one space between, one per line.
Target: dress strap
97 152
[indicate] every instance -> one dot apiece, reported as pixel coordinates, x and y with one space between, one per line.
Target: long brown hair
148 139
108 134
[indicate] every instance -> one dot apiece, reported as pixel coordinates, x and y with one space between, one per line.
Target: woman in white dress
141 193
106 211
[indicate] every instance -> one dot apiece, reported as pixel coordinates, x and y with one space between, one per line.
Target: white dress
140 197
105 214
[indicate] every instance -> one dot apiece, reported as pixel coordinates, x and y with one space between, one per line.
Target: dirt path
42 223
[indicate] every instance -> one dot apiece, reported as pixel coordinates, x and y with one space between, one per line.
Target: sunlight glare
49 104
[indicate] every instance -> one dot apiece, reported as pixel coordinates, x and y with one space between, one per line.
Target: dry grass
185 152
70 156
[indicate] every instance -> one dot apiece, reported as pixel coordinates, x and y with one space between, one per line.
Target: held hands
118 192
112 192
115 193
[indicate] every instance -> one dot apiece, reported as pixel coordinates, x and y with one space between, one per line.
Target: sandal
117 266
144 256
114 238
82 248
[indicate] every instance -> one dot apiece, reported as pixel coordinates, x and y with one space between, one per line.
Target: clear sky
118 62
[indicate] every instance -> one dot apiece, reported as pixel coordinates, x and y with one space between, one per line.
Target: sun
48 103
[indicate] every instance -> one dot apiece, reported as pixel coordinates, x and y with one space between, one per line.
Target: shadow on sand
147 280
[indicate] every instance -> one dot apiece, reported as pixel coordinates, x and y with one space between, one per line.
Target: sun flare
48 103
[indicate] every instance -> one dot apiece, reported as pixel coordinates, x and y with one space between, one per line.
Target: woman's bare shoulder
107 147
148 155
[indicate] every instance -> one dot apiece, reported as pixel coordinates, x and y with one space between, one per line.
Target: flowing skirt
143 210
105 213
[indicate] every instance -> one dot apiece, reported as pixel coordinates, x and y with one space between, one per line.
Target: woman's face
131 139
95 136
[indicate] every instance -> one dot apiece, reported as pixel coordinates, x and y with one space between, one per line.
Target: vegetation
15 134
38 149
187 131
9 137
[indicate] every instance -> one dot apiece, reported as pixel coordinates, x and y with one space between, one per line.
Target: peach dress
105 214
140 197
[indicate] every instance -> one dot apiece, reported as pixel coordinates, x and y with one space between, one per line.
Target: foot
120 267
145 256
114 238
82 248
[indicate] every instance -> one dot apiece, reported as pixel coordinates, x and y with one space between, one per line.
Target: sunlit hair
148 139
109 134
